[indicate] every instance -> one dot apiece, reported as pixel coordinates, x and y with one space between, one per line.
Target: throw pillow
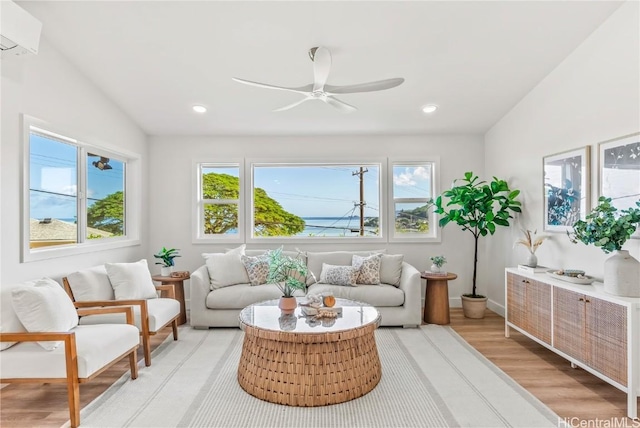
226 269
9 321
257 268
391 269
91 284
339 275
369 268
44 307
131 280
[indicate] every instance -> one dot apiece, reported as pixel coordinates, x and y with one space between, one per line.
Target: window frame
197 215
132 189
248 226
393 236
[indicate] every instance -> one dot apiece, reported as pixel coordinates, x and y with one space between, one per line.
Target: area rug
430 378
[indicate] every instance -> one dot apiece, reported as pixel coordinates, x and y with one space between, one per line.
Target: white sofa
399 305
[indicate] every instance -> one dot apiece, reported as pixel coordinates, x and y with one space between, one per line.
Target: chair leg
146 346
73 392
133 363
174 326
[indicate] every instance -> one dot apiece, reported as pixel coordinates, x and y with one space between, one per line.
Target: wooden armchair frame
71 358
169 291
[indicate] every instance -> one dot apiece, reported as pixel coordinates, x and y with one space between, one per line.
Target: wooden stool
436 299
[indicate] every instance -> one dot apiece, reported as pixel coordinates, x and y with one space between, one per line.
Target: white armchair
34 348
93 288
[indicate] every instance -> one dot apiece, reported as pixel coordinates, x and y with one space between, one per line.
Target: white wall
592 96
49 88
171 190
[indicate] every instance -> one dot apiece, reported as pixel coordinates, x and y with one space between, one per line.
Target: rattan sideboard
594 330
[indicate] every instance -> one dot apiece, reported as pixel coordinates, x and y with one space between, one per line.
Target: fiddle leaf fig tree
478 207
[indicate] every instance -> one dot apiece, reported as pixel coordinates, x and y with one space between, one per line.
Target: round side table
436 300
178 283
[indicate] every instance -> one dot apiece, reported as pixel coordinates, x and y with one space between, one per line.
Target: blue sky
53 178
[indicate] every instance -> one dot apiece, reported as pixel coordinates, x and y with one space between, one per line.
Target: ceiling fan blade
297 103
340 105
379 85
321 67
301 90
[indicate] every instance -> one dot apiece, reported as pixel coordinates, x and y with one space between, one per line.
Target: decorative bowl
573 272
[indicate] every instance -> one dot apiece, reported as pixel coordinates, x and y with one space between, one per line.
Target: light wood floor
568 392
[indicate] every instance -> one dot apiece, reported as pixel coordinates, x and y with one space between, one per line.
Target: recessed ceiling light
200 109
429 108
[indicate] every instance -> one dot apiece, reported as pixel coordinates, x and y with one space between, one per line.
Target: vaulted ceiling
475 60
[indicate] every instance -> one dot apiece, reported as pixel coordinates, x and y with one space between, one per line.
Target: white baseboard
496 307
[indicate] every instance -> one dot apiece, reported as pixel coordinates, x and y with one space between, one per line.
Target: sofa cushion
91 284
44 307
226 269
339 275
243 295
97 345
338 258
9 321
131 280
368 268
382 295
257 268
391 269
160 311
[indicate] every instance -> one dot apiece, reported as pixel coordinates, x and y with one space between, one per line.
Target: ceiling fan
319 90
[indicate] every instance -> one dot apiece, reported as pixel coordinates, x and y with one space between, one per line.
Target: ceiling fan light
429 108
199 109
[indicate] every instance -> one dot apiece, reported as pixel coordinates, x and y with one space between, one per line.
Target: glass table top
267 316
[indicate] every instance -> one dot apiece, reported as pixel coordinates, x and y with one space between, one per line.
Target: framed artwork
619 172
566 189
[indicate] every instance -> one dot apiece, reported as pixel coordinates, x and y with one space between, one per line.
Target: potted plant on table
478 207
166 256
603 228
289 274
437 263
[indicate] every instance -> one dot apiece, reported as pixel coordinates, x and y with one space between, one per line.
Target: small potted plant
166 256
477 207
604 228
289 274
531 243
437 263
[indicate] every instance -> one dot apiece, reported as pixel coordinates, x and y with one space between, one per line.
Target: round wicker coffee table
300 361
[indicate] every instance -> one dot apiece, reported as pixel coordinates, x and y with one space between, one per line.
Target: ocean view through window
316 201
75 195
383 200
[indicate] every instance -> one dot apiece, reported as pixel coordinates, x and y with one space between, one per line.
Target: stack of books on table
537 269
428 272
312 310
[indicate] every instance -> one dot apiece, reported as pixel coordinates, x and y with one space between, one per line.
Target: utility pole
362 203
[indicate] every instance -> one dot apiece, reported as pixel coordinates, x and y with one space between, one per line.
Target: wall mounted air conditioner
19 31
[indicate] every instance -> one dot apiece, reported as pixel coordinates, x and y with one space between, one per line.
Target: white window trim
422 238
197 235
133 195
248 224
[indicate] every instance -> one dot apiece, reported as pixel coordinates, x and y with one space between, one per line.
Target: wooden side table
178 284
436 299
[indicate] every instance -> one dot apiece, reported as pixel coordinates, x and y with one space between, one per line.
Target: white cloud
408 178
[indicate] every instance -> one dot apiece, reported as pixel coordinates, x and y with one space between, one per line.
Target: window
76 195
301 201
219 195
412 187
316 200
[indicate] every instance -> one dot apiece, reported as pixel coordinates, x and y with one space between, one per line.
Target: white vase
622 275
532 260
435 269
165 271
